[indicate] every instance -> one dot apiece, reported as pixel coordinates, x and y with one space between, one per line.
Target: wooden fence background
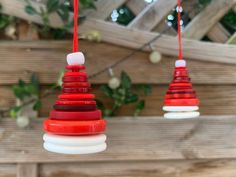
195 148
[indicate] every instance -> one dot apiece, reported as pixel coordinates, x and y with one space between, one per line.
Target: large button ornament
180 99
75 125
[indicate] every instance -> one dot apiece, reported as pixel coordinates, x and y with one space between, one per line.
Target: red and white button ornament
75 125
180 100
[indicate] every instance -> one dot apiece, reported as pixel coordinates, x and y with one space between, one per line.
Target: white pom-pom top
180 63
76 58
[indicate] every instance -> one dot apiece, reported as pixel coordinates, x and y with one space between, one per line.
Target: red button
66 102
76 84
60 127
75 79
75 74
181 85
75 90
88 115
179 96
76 96
75 67
181 102
62 107
181 91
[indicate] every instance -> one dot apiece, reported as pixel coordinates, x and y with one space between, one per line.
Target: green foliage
229 21
203 3
62 9
5 20
87 4
124 95
23 91
125 15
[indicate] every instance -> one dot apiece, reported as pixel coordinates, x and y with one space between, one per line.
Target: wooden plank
152 14
27 170
140 139
48 58
136 6
232 39
133 38
220 100
104 8
215 100
200 168
205 20
217 33
7 170
6 97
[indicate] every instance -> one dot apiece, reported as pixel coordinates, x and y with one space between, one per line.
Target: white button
76 58
180 63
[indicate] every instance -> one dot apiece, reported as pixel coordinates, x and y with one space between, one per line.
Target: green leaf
35 81
21 83
60 78
14 111
63 12
131 98
100 104
146 88
52 5
125 80
19 92
87 4
37 105
107 90
30 10
31 90
139 107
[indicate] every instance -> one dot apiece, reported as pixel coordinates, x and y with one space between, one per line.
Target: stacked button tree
75 125
180 99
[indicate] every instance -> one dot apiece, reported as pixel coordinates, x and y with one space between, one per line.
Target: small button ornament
114 83
180 99
75 125
155 57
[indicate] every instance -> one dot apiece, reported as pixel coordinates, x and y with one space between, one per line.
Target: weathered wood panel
152 15
120 35
140 139
104 8
133 38
205 20
27 170
46 58
217 33
215 100
7 170
198 168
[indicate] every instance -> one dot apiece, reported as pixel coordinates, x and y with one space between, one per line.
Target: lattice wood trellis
149 20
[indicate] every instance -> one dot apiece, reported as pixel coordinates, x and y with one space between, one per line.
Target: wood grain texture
152 15
143 138
205 20
104 8
7 170
47 58
205 51
27 170
136 6
188 168
217 33
120 35
215 100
